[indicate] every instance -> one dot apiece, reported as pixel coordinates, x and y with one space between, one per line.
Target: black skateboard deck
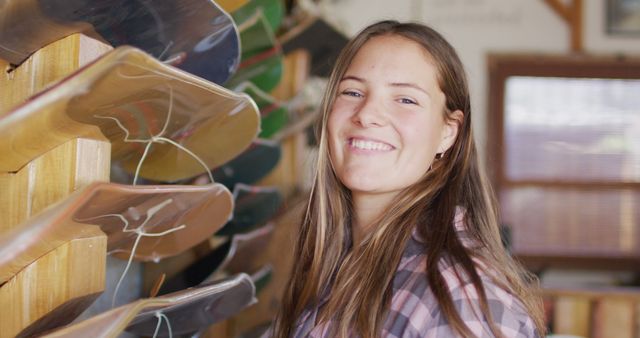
250 166
254 206
196 36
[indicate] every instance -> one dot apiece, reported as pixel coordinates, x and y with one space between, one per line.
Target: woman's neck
368 209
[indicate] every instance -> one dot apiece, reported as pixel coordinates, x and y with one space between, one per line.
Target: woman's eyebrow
352 77
408 85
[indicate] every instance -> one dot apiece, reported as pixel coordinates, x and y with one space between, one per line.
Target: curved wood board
56 288
143 95
187 310
203 209
197 35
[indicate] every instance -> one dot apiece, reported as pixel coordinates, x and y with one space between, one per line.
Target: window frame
503 66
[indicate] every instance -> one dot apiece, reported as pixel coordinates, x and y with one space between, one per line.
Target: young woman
400 237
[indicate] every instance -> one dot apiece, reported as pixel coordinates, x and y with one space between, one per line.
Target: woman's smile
365 146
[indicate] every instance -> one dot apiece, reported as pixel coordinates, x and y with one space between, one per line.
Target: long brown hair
361 277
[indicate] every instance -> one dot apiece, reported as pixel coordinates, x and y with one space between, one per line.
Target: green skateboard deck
261 58
273 11
274 115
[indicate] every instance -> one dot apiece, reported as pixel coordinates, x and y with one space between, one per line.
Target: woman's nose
370 113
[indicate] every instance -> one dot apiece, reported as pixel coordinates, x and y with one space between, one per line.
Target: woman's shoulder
415 311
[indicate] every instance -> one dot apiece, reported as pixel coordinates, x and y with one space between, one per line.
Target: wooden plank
66 280
614 318
572 316
571 14
48 65
576 26
560 9
50 178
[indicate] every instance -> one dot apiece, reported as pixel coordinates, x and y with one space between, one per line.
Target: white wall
477 27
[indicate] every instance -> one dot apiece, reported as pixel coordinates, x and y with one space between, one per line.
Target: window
564 157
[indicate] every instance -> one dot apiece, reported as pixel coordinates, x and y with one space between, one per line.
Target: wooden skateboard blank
130 88
202 210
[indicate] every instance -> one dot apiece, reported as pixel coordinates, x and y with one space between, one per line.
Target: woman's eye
351 93
407 101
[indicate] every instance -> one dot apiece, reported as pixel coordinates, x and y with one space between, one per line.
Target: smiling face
387 122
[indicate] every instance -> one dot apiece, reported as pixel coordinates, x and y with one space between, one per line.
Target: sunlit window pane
561 221
569 129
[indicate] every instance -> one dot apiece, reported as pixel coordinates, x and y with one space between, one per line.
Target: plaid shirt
415 312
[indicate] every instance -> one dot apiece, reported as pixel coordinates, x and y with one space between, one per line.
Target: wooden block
614 317
46 66
50 178
56 288
572 316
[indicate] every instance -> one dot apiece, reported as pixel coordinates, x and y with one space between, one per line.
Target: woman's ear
450 130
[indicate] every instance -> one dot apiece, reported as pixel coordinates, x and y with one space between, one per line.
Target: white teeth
369 145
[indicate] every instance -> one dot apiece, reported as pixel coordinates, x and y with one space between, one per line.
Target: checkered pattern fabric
415 311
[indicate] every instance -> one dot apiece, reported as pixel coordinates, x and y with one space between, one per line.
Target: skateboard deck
250 166
231 5
196 36
274 115
187 311
273 11
254 206
261 57
262 277
245 249
234 255
323 42
198 271
130 98
202 209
